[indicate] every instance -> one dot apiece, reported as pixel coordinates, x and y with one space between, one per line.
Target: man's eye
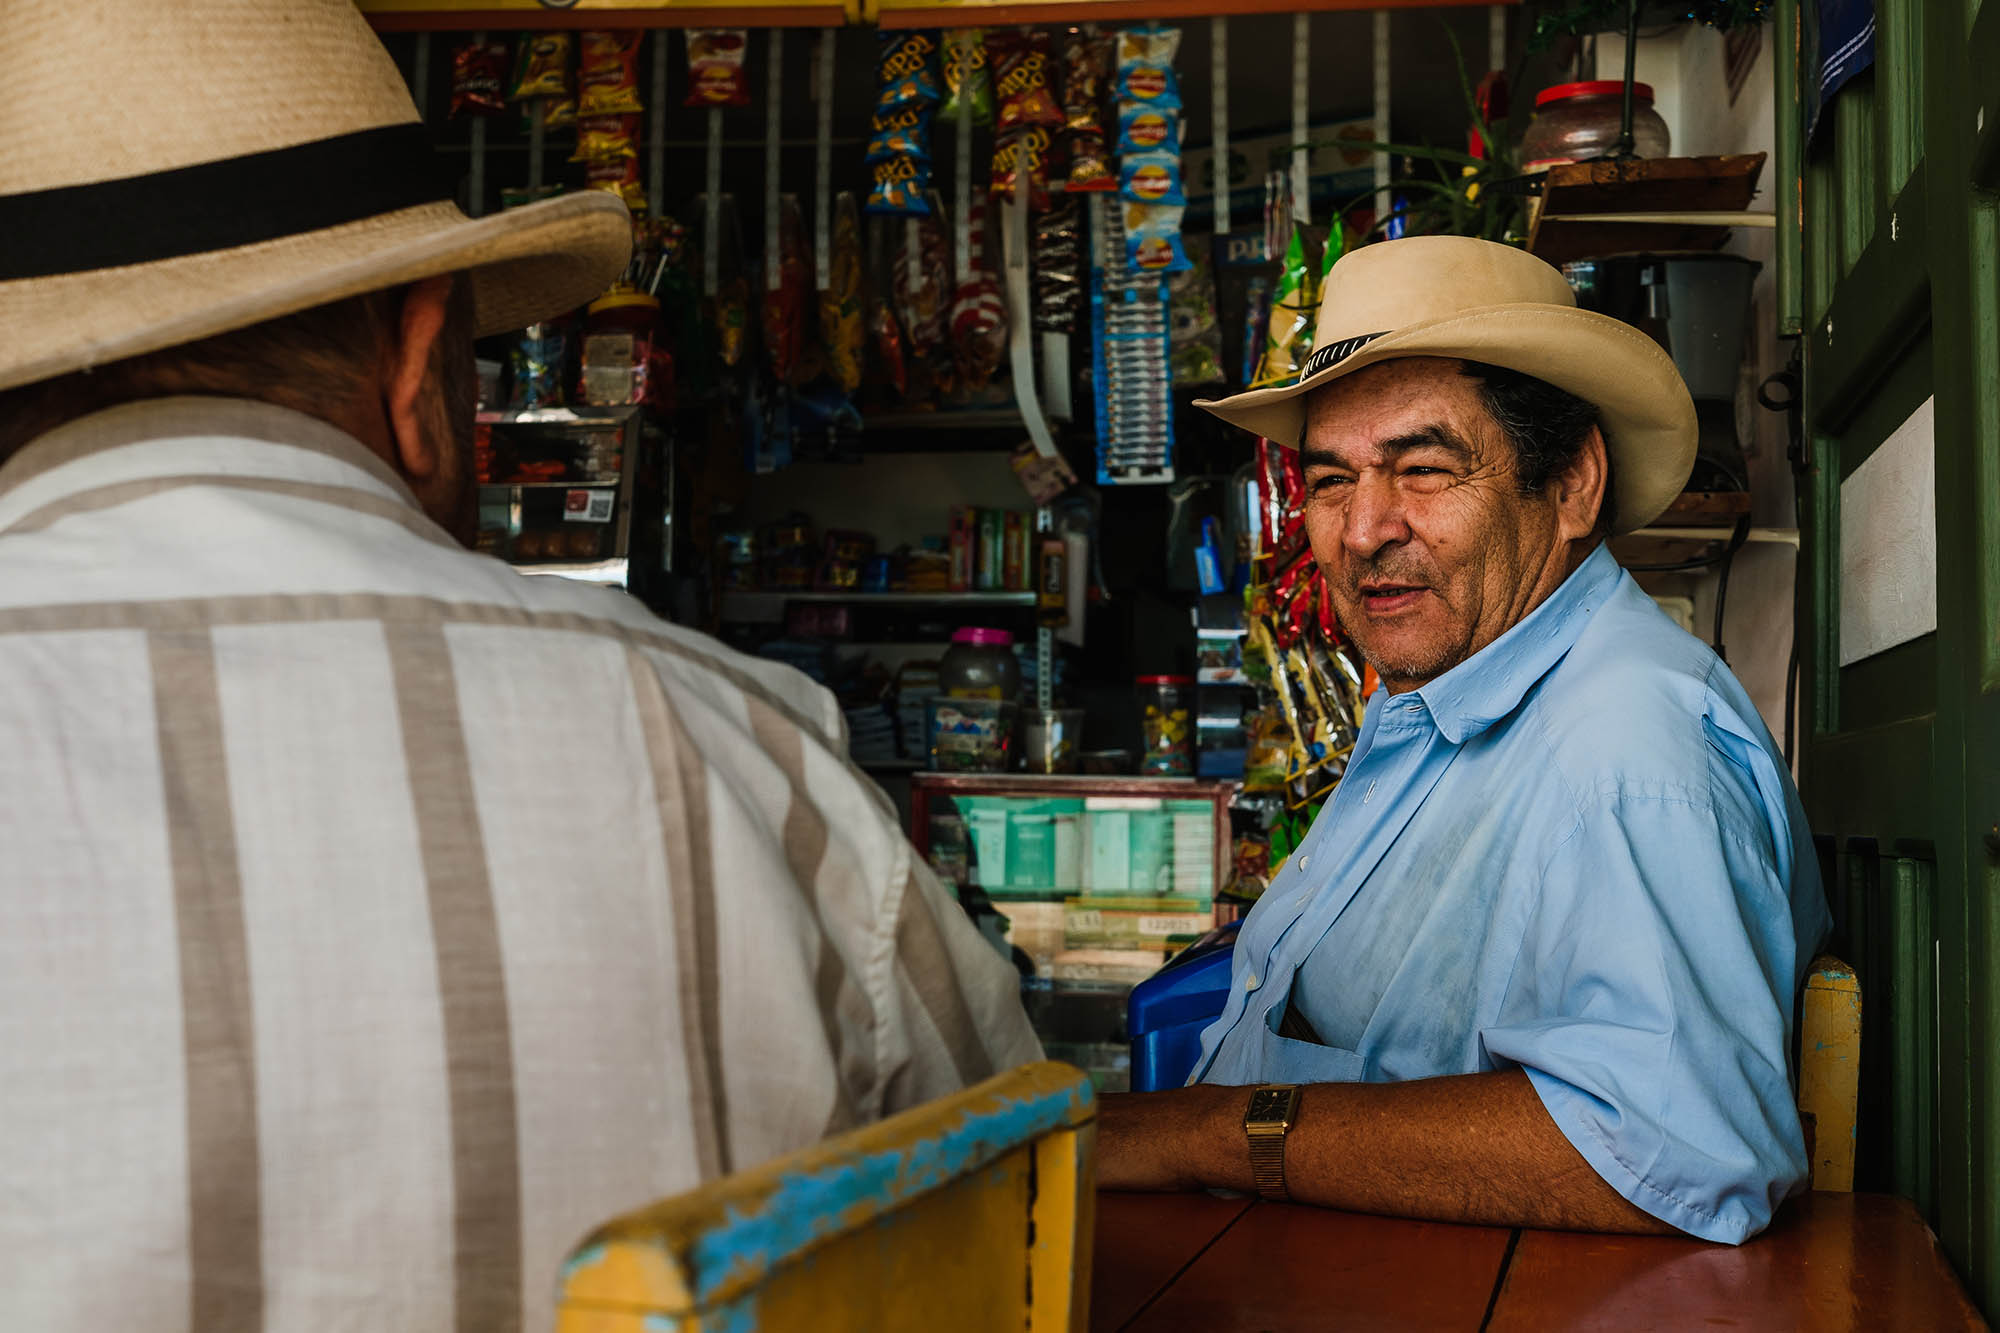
1423 472
1328 481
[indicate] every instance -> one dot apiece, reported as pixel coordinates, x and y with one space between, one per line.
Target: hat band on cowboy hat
219 205
1459 298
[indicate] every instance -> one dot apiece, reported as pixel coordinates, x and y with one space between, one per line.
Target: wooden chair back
1830 1070
972 1212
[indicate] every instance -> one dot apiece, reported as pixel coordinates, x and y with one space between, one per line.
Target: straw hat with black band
173 171
1453 296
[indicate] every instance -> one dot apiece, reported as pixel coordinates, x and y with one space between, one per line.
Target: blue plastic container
1168 1010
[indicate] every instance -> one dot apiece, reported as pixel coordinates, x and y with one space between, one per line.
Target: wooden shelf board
1006 13
1659 185
447 16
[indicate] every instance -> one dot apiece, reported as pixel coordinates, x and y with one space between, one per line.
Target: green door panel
1890 275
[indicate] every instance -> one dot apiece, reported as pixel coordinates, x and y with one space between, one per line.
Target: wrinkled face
1416 517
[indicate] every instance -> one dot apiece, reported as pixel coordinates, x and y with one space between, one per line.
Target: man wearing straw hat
376 920
1535 963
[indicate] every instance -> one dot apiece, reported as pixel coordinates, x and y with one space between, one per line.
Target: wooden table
1193 1261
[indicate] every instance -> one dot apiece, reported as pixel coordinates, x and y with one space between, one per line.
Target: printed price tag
1169 925
587 506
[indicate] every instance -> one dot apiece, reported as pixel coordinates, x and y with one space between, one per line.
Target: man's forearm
1471 1148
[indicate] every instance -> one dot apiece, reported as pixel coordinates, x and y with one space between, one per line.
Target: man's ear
1580 489
420 322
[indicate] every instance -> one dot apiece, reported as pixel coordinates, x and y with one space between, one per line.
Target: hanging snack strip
978 314
1058 267
1086 63
1028 115
841 317
1149 146
899 144
1129 349
607 132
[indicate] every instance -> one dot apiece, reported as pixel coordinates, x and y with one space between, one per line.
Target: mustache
1398 570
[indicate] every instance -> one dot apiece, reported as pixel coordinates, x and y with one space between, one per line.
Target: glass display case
1090 883
556 490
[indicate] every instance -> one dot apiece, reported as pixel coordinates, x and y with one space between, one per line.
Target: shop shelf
1001 418
1001 13
596 484
506 15
771 605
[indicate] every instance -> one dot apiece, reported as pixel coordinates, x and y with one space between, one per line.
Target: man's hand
1474 1148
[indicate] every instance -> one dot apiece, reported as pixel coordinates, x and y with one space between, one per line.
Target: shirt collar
161 419
1491 683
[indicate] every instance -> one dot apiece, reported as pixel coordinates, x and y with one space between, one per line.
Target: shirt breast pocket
1291 1056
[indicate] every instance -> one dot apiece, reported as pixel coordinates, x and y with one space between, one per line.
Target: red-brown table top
1193 1261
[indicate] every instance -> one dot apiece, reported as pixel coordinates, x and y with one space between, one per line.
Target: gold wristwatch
1274 1108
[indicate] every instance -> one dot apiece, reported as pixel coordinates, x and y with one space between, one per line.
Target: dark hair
305 360
1547 427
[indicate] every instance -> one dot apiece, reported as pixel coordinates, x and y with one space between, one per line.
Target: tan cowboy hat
169 171
1453 296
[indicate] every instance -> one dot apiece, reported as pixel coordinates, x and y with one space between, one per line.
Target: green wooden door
1890 275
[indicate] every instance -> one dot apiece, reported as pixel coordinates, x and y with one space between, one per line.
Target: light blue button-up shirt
1578 853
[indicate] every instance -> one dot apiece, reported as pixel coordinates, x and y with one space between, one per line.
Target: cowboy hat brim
1646 413
526 264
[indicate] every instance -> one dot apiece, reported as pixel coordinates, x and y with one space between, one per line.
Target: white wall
1685 66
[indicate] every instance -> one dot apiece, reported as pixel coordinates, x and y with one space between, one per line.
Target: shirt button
1304 861
1250 982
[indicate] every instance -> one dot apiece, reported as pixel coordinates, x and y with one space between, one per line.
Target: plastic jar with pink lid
980 664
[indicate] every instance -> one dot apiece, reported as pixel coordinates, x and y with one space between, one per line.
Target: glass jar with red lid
1575 122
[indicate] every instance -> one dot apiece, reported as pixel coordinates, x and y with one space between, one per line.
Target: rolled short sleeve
1654 1007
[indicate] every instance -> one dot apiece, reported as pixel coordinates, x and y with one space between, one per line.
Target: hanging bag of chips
840 305
968 80
478 73
899 163
608 84
1086 59
716 76
1149 165
1289 330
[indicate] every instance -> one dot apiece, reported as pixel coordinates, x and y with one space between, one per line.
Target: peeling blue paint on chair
809 1205
854 1222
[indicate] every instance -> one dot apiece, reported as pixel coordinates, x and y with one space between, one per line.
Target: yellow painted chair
1830 1070
969 1213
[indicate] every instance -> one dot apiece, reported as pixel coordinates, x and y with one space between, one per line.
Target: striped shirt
377 920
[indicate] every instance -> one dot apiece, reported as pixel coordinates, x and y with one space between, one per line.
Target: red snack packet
1090 167
1021 161
1021 62
888 336
609 83
478 71
785 304
716 76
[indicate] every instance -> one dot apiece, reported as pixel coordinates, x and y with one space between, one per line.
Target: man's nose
1374 516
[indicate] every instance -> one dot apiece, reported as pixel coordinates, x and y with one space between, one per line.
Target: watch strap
1267 1163
1273 1109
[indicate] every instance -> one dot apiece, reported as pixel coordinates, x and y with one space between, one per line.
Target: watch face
1271 1104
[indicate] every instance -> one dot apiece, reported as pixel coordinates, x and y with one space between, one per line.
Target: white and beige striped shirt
376 920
